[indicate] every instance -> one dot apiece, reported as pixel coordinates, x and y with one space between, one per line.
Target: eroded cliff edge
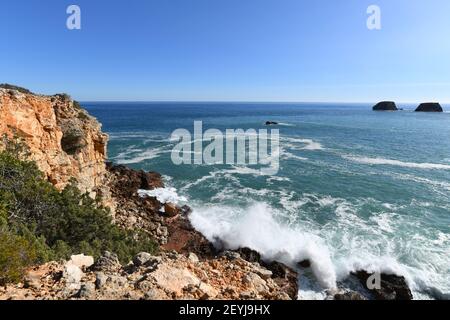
64 140
67 143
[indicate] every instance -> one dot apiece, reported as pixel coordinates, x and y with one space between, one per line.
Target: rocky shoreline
187 265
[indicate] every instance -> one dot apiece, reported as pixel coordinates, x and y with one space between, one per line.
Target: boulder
230 255
385 106
32 280
249 255
393 287
172 210
141 259
255 282
173 279
130 181
186 210
349 295
263 273
72 275
429 107
283 276
87 290
146 259
81 261
193 257
108 262
305 264
100 280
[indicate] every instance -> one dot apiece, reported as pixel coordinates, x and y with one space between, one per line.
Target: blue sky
220 50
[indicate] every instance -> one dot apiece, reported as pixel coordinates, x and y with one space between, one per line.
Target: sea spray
163 195
255 227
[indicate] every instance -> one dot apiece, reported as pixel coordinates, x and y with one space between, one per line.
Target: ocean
356 189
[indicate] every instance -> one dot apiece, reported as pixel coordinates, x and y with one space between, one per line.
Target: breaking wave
349 243
256 228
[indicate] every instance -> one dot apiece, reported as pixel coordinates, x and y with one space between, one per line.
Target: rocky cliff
64 140
67 143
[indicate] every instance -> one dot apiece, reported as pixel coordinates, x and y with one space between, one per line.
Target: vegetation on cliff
16 88
39 223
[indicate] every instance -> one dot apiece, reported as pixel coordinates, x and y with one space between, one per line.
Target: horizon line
249 101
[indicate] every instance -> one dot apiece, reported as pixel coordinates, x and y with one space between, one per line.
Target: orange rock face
63 139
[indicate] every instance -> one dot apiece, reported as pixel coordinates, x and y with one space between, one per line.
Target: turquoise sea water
356 188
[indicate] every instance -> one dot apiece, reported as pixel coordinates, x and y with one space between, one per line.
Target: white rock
174 279
256 282
81 261
193 257
73 275
264 273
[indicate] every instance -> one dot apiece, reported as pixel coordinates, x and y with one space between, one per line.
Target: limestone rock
147 260
256 282
107 262
87 290
141 259
64 140
81 261
100 280
193 257
72 275
174 279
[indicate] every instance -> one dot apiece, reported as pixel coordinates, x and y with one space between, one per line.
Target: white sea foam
163 195
278 179
289 155
438 185
133 156
256 227
349 243
384 221
301 144
382 161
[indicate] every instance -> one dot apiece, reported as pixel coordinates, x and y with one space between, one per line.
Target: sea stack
429 107
385 106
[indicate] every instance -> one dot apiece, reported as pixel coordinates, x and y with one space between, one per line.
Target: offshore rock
429 107
385 106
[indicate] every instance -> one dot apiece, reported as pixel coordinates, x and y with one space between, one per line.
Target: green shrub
48 224
16 254
82 115
76 105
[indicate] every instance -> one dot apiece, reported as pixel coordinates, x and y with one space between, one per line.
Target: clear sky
219 50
